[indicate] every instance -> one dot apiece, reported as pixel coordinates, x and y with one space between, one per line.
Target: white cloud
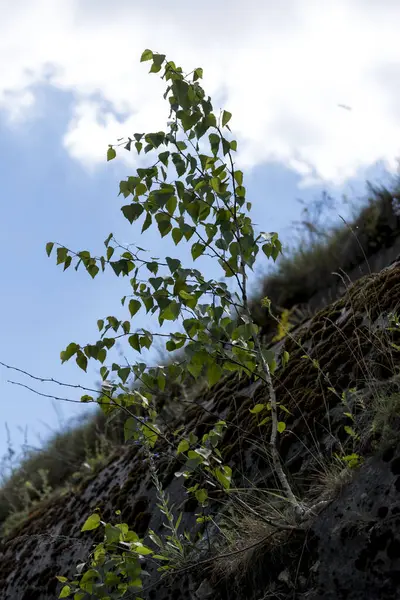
282 68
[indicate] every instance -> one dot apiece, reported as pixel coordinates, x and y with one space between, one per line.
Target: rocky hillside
340 449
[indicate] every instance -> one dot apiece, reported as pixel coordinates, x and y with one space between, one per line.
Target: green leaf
148 301
163 156
170 346
197 250
140 549
238 177
161 381
130 428
65 592
146 340
150 434
155 69
183 446
108 342
173 264
91 522
70 350
215 184
164 226
281 426
214 374
112 534
107 240
177 235
100 324
195 369
226 117
92 270
224 475
152 266
282 407
179 164
134 306
350 431
81 361
159 556
132 211
171 205
146 55
201 496
225 146
186 296
124 374
111 154
49 247
61 255
147 222
156 282
134 342
140 189
257 409
172 311
86 398
285 358
214 142
180 90
198 74
126 326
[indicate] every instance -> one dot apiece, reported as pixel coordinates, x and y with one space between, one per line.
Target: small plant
114 566
334 474
348 412
175 549
45 489
30 496
99 455
352 461
208 208
284 325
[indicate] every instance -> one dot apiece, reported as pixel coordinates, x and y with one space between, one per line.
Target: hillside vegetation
75 452
264 408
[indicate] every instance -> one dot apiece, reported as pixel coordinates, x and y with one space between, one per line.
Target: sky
314 89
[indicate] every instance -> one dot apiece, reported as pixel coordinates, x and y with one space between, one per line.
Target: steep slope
351 549
316 271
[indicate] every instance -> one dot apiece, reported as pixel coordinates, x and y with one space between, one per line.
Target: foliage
30 495
284 325
209 210
316 254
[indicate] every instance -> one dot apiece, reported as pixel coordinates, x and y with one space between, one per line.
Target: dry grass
330 478
244 534
306 268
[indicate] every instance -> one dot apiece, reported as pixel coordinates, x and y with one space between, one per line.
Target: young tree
205 206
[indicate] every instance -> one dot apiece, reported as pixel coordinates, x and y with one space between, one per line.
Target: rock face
351 549
359 535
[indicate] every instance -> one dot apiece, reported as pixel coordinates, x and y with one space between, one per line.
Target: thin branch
112 400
